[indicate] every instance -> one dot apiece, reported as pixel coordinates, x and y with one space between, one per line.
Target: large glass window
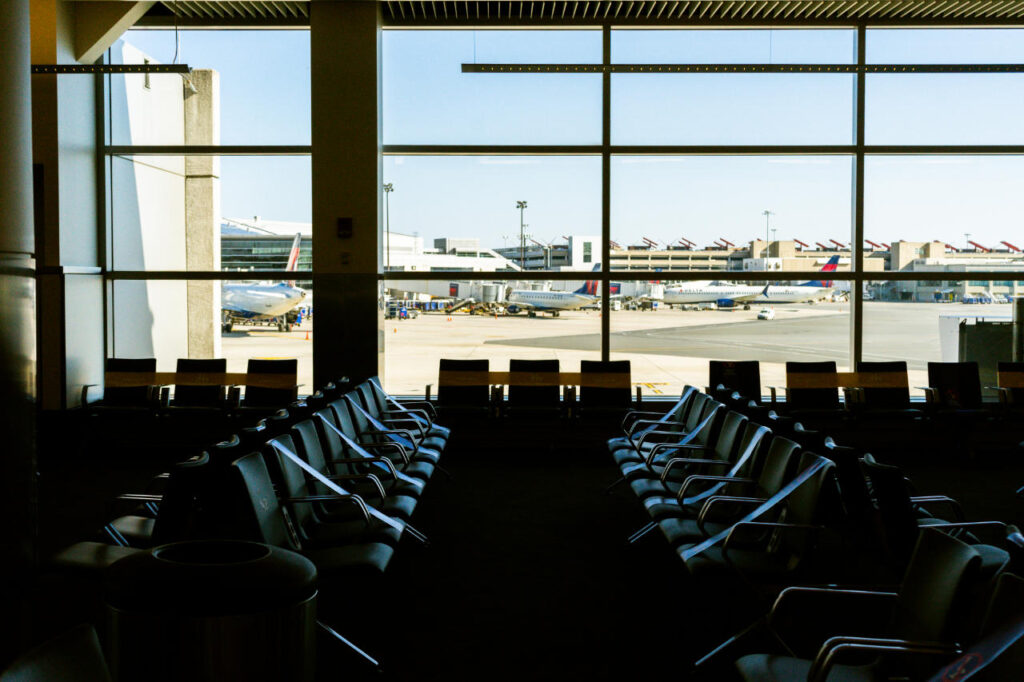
188 212
487 213
429 100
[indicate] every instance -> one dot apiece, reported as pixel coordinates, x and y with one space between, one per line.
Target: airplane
714 291
806 291
257 302
556 301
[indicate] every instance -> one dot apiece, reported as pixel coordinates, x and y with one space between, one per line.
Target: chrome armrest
835 647
361 477
140 497
766 525
696 478
931 395
376 444
634 415
672 447
348 498
388 464
716 500
676 461
818 595
921 500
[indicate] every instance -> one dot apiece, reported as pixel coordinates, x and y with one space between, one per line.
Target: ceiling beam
99 24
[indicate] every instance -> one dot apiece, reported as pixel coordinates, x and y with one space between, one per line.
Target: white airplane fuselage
260 301
709 292
549 300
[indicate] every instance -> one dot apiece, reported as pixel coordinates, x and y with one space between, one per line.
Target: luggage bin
212 610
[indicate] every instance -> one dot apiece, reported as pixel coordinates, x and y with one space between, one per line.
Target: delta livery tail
592 287
831 266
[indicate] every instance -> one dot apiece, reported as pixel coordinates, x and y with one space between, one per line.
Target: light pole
767 216
388 189
521 205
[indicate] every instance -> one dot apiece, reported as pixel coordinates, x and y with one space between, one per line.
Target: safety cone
396 330
307 335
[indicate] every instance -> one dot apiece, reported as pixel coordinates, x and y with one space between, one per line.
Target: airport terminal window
442 208
949 210
428 100
734 46
261 89
668 331
468 319
703 214
928 321
732 109
166 323
208 212
191 212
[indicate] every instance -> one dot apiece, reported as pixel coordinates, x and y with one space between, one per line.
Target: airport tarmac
668 348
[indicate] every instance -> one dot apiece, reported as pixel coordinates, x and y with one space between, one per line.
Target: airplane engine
513 309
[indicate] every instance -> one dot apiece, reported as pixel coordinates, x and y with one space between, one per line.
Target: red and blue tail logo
592 287
831 266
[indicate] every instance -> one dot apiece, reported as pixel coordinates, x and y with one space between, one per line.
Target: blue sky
427 100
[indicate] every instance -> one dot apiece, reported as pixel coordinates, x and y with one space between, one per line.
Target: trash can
212 610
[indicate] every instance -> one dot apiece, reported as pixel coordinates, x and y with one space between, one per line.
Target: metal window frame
858 151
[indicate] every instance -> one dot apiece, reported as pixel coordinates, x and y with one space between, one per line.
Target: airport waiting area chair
924 621
200 383
533 388
741 376
604 388
1010 376
464 387
954 386
270 383
131 385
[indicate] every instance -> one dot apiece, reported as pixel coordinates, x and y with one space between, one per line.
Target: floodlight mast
521 205
388 189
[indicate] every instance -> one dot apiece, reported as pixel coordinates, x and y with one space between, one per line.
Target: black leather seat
74 656
924 620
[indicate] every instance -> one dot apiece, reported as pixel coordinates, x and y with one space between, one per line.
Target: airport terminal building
364 304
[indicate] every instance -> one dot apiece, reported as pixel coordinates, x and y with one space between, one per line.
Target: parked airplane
807 291
556 301
714 291
250 302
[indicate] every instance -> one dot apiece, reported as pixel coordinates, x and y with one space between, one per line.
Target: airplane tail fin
831 266
592 287
293 257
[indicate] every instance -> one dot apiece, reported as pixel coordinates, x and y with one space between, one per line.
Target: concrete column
345 41
18 494
202 213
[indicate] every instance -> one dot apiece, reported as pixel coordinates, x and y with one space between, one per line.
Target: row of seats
759 501
135 384
951 385
533 387
337 477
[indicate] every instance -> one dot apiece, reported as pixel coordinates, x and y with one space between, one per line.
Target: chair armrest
664 447
85 393
716 500
140 497
697 478
633 415
347 498
1005 394
387 463
931 395
426 391
677 461
362 477
835 647
802 601
403 453
392 421
766 525
424 405
656 434
773 391
922 500
405 433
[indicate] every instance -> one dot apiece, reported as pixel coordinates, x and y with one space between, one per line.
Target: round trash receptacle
212 610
